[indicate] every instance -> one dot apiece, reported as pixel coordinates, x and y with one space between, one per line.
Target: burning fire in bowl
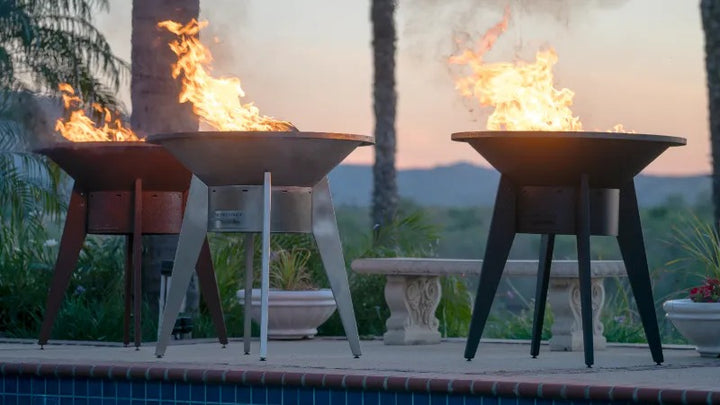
123 186
555 180
253 174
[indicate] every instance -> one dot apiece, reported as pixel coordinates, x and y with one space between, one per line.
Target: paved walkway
627 365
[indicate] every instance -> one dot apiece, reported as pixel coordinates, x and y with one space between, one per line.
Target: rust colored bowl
114 166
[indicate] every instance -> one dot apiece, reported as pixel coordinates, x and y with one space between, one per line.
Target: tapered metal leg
265 275
192 237
137 263
72 240
632 248
547 244
128 289
583 249
327 237
249 251
500 239
209 288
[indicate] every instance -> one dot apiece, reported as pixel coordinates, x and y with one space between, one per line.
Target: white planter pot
292 314
699 322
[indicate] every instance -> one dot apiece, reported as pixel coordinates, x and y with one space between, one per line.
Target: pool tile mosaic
27 384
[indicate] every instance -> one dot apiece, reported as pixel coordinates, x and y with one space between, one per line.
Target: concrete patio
619 365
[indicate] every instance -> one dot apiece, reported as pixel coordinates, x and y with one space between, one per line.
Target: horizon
488 167
638 63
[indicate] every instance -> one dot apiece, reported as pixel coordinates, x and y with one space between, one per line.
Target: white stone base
411 336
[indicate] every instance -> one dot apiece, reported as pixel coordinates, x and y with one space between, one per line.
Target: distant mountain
464 185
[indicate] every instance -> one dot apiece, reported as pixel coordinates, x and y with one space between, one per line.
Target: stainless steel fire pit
566 183
260 182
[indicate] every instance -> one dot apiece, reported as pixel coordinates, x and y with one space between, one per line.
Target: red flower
708 292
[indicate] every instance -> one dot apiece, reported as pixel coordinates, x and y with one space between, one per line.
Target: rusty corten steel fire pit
260 182
567 183
123 188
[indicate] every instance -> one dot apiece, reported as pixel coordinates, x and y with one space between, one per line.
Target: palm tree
155 104
42 44
710 12
384 197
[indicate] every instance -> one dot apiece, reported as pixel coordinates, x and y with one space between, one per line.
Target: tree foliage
45 43
42 44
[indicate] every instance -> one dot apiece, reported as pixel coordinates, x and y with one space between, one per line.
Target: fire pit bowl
566 183
260 182
298 159
101 166
130 189
559 158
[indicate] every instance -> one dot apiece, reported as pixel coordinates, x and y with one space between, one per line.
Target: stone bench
413 292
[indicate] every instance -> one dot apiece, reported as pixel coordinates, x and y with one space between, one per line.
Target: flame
523 93
81 128
215 100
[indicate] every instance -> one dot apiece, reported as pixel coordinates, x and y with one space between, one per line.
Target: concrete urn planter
699 322
292 314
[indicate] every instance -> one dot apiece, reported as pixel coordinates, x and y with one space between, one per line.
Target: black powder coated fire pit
566 183
123 188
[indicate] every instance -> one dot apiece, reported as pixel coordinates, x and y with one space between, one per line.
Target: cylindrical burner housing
552 210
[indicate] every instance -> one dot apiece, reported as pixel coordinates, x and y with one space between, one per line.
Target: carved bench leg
564 299
412 301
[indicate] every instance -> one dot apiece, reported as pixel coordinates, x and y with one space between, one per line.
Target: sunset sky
635 62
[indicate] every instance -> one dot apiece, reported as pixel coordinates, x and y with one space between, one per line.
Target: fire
81 128
523 93
215 100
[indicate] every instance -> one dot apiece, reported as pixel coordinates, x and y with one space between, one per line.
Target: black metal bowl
538 158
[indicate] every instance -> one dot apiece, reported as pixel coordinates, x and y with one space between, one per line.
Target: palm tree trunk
385 194
155 106
710 12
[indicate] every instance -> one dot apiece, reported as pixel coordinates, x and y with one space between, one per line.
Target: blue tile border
118 383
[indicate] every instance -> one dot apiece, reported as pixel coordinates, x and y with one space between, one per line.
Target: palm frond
46 43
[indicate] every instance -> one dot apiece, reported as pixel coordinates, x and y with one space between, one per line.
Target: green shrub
25 271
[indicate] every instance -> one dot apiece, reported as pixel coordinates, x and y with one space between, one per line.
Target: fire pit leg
249 251
192 236
500 239
72 240
265 275
583 250
137 262
327 238
209 288
547 244
128 289
632 248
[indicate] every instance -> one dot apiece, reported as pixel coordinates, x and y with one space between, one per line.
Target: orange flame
81 128
215 100
523 93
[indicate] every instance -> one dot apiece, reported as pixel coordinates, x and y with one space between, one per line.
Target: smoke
426 26
224 35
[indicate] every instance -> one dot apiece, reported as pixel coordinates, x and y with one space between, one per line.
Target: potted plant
697 317
295 306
